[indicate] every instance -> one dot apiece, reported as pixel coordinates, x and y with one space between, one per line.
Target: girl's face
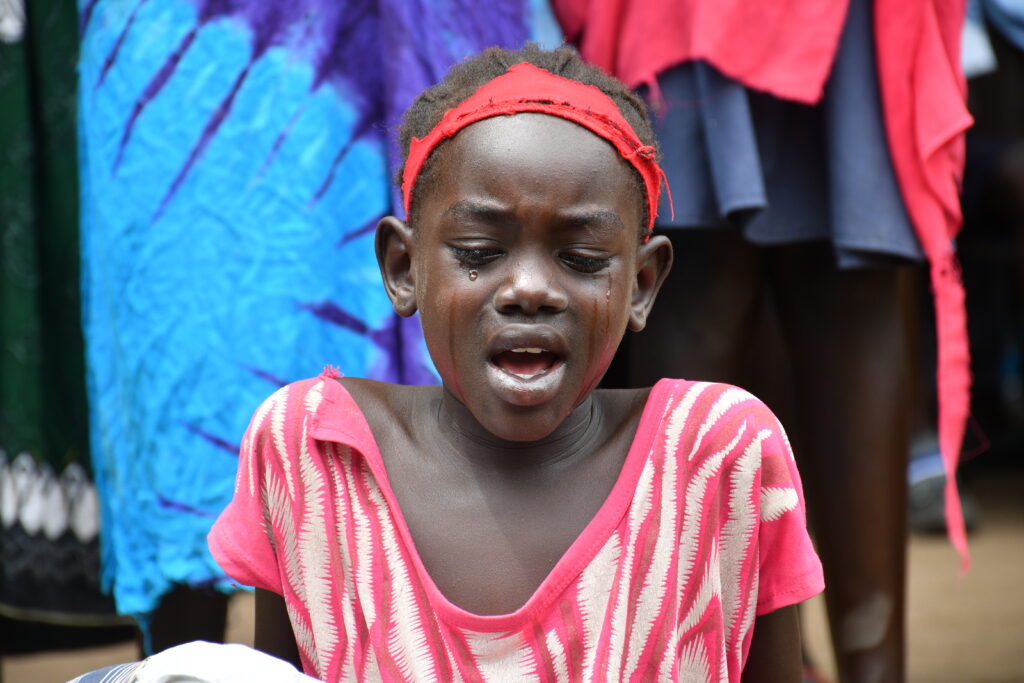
526 266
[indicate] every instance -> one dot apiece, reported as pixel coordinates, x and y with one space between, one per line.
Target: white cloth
202 662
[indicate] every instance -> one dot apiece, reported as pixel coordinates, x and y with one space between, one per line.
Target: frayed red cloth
783 47
786 48
923 99
528 88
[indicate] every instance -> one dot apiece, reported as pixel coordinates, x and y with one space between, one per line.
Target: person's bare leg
700 327
186 614
846 332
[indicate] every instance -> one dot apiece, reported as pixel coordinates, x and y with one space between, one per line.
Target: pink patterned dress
703 531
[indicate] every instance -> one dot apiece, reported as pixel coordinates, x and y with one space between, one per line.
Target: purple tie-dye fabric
235 157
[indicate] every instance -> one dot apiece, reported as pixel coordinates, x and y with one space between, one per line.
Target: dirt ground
961 629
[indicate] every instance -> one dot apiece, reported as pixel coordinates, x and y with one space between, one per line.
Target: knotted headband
527 88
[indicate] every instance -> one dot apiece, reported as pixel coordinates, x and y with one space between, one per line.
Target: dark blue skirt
784 172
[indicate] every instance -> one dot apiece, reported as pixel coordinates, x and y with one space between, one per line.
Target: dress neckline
339 418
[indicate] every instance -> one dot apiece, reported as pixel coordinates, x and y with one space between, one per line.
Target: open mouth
526 362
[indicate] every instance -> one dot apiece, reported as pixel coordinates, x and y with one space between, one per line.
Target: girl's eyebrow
597 218
472 210
476 211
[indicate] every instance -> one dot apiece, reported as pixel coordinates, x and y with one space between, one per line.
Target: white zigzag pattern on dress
592 596
689 536
680 414
329 455
527 661
282 536
279 396
277 415
777 501
501 656
304 637
710 590
311 401
723 665
730 397
693 517
364 543
656 582
245 452
283 530
643 501
372 672
313 553
456 676
256 427
693 663
343 592
738 530
405 637
557 650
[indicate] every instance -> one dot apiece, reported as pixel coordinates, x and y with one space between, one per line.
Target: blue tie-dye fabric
235 156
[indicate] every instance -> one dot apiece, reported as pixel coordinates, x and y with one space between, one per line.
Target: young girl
515 523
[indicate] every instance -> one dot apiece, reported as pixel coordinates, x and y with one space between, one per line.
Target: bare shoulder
386 405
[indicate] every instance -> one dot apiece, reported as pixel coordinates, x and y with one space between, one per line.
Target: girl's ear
654 260
394 245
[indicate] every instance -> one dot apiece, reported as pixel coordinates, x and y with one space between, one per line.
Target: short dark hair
465 78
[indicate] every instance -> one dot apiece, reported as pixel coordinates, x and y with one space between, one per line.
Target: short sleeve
789 568
240 540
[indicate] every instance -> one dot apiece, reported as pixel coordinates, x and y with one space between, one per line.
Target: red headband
527 88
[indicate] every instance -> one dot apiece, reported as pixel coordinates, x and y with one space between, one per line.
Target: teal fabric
235 158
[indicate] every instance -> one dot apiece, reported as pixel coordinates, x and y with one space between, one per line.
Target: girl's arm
774 655
274 630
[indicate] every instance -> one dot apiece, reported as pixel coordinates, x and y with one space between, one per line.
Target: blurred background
188 191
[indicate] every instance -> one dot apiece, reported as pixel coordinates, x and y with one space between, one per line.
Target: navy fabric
784 172
1007 16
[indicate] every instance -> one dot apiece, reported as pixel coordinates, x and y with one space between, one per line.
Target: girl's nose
531 286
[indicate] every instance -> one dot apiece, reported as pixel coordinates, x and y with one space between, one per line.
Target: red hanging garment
786 48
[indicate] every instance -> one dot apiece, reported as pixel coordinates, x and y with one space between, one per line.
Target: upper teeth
532 349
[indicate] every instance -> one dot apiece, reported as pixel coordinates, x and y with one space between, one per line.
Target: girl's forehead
529 141
528 126
535 162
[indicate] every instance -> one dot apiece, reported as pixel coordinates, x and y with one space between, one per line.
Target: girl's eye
474 257
585 264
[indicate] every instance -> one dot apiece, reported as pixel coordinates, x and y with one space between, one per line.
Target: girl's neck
467 441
